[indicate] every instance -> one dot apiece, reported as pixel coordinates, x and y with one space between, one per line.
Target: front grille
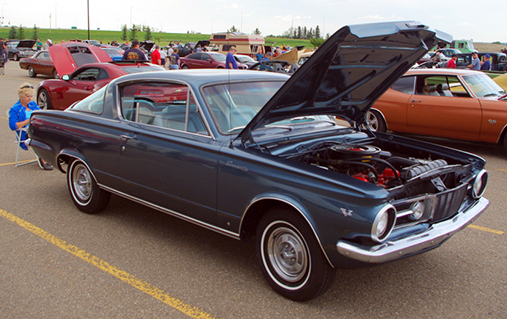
447 203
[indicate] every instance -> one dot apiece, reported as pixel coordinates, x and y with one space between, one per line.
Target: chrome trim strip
430 238
297 209
172 213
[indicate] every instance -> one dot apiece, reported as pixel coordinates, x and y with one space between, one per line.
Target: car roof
441 71
200 77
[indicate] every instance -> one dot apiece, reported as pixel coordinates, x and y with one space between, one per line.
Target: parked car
244 59
254 155
189 47
205 60
82 73
449 52
501 80
115 53
271 65
452 103
40 63
497 60
18 49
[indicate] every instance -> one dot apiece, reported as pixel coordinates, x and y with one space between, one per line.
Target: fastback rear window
142 68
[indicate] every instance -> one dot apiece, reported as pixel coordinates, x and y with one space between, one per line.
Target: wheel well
381 115
502 135
255 213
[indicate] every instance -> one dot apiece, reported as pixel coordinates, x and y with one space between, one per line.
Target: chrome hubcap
82 184
288 254
372 121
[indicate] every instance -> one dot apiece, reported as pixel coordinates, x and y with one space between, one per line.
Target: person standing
155 56
163 56
38 44
48 44
134 53
259 56
486 65
230 61
476 63
451 64
174 58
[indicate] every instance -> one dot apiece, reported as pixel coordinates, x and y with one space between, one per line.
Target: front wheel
290 256
16 57
184 67
43 100
84 191
375 122
31 72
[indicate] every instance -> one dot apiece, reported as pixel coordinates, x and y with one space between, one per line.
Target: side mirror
66 77
209 60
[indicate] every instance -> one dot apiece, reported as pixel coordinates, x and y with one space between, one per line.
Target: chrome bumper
434 236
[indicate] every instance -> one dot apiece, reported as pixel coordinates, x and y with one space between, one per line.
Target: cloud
468 24
371 17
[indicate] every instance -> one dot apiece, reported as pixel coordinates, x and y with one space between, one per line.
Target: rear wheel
43 100
55 74
184 67
84 191
375 122
290 256
31 72
505 142
16 57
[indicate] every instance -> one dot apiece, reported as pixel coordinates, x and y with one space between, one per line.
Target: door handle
126 137
415 101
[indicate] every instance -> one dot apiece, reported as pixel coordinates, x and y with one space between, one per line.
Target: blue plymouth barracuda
286 161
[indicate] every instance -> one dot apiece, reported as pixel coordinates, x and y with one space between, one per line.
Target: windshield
244 58
233 105
483 86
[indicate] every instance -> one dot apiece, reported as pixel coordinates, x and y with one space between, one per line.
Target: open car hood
26 44
69 56
349 72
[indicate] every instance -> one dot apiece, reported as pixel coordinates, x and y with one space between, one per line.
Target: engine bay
403 175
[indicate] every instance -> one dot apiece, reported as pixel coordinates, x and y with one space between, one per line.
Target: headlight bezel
479 184
386 215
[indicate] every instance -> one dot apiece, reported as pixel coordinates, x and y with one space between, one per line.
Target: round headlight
383 223
418 209
480 184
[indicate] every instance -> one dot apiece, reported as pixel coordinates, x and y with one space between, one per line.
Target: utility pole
50 22
88 10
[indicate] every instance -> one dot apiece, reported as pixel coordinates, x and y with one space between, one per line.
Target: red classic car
205 60
40 63
82 72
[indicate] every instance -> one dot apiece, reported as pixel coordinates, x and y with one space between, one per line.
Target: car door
168 157
82 83
451 112
194 61
44 64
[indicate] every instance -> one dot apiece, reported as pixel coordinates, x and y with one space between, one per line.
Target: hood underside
349 72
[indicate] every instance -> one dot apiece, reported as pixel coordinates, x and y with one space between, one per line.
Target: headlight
480 184
383 223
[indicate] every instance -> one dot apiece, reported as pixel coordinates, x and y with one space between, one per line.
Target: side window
405 85
90 74
162 104
205 57
102 75
441 86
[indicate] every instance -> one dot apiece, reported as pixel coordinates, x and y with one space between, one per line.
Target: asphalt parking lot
133 262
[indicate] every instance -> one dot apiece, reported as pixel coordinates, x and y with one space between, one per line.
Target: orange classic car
452 103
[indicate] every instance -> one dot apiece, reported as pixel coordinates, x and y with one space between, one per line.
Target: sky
464 19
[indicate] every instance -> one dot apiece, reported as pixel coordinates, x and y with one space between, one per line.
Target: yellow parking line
110 269
19 162
500 169
489 230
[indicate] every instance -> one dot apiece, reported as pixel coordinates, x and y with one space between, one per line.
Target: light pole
88 10
2 17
